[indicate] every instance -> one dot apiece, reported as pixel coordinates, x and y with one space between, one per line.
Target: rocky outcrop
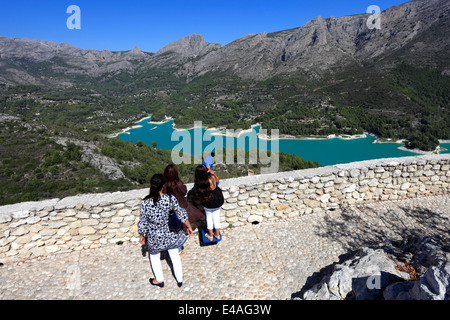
190 46
5 118
104 164
389 273
362 277
431 259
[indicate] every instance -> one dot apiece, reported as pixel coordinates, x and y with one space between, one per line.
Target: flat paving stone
268 261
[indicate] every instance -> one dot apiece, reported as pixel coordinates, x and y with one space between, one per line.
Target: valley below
60 105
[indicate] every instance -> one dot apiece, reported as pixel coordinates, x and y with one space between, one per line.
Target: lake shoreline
237 133
125 131
438 149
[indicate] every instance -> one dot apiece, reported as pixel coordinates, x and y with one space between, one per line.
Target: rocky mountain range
417 31
335 75
322 46
332 76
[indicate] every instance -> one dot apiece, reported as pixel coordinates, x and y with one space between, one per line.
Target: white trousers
212 218
155 261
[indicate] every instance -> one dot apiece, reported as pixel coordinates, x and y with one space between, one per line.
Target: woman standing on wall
154 223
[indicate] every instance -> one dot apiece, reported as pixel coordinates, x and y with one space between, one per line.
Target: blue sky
150 24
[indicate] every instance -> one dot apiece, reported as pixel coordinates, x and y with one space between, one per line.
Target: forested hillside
329 76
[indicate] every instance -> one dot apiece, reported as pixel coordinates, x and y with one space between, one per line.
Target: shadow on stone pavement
372 227
376 227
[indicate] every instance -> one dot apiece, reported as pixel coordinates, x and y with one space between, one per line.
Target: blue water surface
324 151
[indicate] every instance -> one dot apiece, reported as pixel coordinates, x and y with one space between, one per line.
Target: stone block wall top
328 170
71 202
120 197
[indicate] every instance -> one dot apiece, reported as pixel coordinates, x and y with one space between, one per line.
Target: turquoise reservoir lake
324 151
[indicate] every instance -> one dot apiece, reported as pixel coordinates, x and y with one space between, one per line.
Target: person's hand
141 239
187 224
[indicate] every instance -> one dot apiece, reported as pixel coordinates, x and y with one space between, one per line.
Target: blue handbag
174 222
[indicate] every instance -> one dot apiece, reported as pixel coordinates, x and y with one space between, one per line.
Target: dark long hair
172 177
202 185
156 185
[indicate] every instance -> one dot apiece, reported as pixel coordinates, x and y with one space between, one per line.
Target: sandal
210 238
217 237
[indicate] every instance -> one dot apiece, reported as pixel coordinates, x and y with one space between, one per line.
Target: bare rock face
374 274
415 30
48 63
322 45
104 164
362 277
137 52
190 46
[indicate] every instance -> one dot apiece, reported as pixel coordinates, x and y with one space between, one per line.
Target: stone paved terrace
271 260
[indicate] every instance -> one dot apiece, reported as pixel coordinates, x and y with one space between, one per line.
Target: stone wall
35 229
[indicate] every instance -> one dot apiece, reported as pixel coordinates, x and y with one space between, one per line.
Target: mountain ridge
311 50
324 64
331 76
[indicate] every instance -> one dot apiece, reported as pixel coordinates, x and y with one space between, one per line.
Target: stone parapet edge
96 199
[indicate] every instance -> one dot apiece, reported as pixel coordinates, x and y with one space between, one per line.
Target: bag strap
171 208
